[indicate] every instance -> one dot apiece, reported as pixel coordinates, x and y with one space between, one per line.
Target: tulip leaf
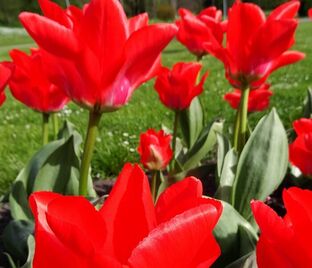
205 142
235 235
55 167
31 252
224 190
247 261
224 145
192 122
15 237
262 164
307 109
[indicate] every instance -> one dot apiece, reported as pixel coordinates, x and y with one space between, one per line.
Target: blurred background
157 9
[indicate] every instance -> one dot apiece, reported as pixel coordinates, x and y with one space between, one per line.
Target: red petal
141 55
288 57
287 10
244 20
310 13
49 251
128 212
179 242
50 35
77 224
302 126
5 74
54 12
137 22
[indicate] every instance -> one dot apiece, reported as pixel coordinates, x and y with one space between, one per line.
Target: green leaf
224 145
14 239
224 190
247 261
54 168
307 109
191 122
31 252
235 235
205 142
262 164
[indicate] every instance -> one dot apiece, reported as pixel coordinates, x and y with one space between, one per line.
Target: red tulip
154 149
177 88
310 13
194 31
31 84
5 74
258 99
255 45
128 231
285 242
300 151
103 55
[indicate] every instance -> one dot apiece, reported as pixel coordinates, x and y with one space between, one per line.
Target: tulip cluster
96 57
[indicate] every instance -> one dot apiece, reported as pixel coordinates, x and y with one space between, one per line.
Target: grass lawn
20 129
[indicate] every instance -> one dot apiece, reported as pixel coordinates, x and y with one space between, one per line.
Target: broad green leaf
224 190
307 109
247 261
191 122
15 237
31 252
262 164
224 146
205 142
235 235
54 168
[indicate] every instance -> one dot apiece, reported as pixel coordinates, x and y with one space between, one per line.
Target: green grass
20 131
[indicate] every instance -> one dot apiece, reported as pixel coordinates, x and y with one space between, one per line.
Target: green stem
45 128
94 119
154 185
174 138
240 129
55 125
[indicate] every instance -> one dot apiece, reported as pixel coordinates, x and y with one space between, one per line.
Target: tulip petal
179 242
288 57
128 212
243 20
54 12
303 126
77 224
287 10
5 74
137 22
50 35
49 251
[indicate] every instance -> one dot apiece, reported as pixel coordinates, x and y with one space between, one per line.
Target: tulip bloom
5 74
310 13
31 84
300 151
255 45
154 149
285 242
104 55
258 99
177 87
194 31
128 231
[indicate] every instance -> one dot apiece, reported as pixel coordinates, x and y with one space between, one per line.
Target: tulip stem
55 125
94 119
240 129
174 138
154 184
45 128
